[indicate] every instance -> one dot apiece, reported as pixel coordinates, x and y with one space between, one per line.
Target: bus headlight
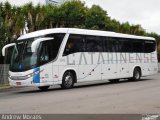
24 77
34 73
29 76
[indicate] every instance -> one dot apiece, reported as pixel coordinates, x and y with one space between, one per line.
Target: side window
74 44
149 46
56 43
100 40
137 46
46 52
124 45
49 49
111 44
94 44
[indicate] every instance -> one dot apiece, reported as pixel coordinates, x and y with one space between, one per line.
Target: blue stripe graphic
36 78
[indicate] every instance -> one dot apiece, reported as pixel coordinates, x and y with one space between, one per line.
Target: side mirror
37 42
5 47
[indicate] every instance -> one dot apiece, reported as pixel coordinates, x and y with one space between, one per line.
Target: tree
53 17
19 22
73 13
96 18
7 14
113 25
137 30
13 21
2 34
125 28
34 16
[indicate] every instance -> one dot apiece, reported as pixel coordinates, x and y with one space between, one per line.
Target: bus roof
81 31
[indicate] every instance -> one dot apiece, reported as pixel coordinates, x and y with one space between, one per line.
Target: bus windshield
22 57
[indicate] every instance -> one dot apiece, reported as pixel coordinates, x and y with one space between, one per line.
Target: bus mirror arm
5 47
37 42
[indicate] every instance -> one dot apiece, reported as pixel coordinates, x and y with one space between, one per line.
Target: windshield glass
22 57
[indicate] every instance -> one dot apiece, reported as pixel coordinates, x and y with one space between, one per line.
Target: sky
143 12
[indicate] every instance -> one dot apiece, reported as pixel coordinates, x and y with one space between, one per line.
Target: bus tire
68 80
43 88
136 74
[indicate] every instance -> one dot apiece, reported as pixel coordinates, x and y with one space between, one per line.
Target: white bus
66 56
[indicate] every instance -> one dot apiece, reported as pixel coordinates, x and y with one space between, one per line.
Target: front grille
18 77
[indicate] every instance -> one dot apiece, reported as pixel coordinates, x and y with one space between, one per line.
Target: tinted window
137 46
124 45
149 46
49 49
100 44
94 44
46 52
74 44
111 44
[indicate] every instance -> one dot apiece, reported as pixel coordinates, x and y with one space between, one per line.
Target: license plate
18 83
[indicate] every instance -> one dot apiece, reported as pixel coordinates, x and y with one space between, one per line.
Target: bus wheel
43 88
136 74
67 81
114 81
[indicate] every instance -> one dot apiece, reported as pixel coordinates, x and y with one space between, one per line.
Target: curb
4 87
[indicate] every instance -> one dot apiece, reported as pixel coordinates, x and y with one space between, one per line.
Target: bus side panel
135 60
123 65
46 77
89 66
85 65
109 67
67 63
153 63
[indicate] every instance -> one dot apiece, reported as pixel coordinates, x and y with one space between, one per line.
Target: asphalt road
140 97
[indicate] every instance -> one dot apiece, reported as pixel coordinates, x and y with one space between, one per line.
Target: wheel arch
73 71
138 67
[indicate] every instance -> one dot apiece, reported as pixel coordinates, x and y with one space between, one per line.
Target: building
55 2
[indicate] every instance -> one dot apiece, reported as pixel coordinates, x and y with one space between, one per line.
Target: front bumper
27 82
